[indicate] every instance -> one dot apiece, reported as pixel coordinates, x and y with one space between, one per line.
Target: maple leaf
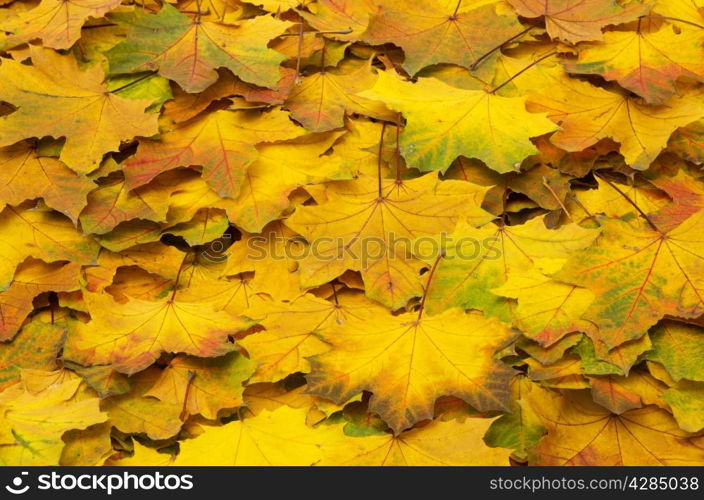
687 10
87 448
322 99
547 310
36 347
206 225
34 421
189 50
606 199
42 234
103 379
25 176
56 22
445 122
267 397
278 437
425 446
587 113
473 271
687 403
278 171
137 412
647 436
223 143
687 197
185 106
271 256
521 429
294 332
675 345
578 21
645 63
155 258
349 18
409 361
362 211
599 359
440 31
639 276
620 394
200 386
113 203
615 398
134 334
92 120
32 278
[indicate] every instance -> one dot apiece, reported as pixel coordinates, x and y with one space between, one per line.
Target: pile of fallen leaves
361 232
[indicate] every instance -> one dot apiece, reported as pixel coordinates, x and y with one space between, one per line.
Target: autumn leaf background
351 232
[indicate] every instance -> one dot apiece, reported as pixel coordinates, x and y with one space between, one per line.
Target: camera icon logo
215 250
16 488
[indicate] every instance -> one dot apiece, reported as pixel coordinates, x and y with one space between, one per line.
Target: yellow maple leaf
43 234
409 361
368 225
639 275
32 278
189 50
33 421
222 143
203 386
57 23
279 437
445 122
294 331
132 335
646 63
587 114
92 120
24 176
579 21
279 169
647 436
451 443
322 99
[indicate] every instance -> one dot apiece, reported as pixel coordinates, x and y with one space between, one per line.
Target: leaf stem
441 254
93 26
322 56
631 202
547 185
134 82
379 157
537 61
457 8
298 56
178 276
334 293
509 40
397 152
198 12
657 16
586 210
313 32
184 409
